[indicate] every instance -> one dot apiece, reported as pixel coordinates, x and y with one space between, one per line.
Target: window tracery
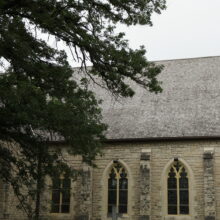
117 189
178 190
61 195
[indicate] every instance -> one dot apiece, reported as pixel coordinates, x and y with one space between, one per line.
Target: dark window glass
112 190
66 183
172 192
123 174
184 210
183 180
66 196
184 183
184 192
172 210
172 197
123 193
61 195
122 209
55 208
56 196
112 183
55 200
172 183
123 184
109 209
65 208
112 194
123 197
184 197
56 183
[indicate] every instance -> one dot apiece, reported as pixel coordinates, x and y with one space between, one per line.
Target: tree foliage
40 94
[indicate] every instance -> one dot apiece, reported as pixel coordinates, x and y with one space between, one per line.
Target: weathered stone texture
146 181
209 184
85 191
145 185
161 153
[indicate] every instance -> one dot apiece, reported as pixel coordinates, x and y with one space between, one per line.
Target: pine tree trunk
39 186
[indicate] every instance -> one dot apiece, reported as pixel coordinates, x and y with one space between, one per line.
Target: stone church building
161 160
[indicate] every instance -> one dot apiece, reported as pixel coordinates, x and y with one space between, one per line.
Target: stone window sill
178 217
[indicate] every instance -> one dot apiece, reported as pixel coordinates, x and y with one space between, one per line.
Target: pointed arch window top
178 189
61 187
117 189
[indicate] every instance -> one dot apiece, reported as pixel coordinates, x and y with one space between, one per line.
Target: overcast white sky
187 28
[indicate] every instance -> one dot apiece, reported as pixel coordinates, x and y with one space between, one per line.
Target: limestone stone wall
162 153
146 164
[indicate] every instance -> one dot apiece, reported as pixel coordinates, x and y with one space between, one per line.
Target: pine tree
41 96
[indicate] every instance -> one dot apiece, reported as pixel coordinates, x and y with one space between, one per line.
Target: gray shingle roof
188 106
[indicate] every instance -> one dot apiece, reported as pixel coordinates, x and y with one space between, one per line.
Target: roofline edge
150 139
163 139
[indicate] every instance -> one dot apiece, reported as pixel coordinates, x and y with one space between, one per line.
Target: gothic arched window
61 195
117 189
177 190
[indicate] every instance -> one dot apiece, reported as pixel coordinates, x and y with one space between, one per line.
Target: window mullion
178 195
